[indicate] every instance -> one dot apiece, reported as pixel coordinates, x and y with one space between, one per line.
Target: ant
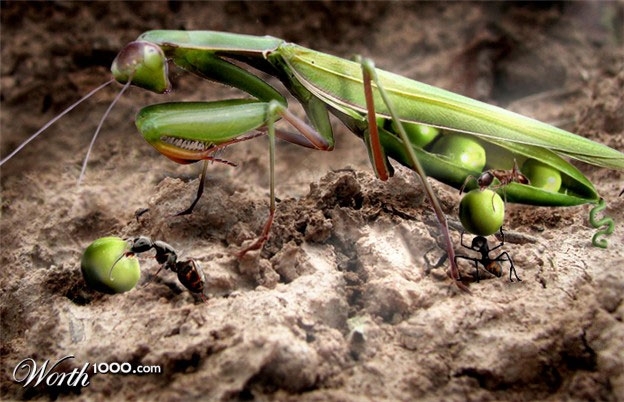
492 265
189 271
504 177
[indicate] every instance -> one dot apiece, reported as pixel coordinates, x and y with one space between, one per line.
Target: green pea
541 175
462 149
97 261
482 212
420 135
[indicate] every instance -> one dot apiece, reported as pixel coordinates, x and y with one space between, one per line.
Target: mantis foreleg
188 132
264 235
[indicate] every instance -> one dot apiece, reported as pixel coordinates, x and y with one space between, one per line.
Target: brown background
340 304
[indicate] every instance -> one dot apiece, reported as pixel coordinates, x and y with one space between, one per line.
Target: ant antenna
99 127
54 120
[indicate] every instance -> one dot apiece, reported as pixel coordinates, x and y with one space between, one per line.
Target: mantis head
144 64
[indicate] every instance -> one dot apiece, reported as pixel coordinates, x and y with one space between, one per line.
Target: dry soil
340 304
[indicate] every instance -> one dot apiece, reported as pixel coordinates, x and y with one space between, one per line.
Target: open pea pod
339 83
575 189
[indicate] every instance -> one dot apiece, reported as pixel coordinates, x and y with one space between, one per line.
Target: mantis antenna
54 120
99 127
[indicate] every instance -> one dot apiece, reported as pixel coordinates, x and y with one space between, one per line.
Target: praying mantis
387 111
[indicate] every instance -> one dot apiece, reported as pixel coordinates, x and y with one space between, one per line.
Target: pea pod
575 189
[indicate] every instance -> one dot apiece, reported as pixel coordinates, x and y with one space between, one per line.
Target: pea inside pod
541 175
462 150
452 157
419 135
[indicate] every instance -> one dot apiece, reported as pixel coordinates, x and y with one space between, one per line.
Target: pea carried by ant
189 272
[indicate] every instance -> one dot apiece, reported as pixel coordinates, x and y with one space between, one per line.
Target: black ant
492 265
189 271
504 177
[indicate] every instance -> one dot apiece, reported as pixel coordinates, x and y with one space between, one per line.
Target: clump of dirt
343 302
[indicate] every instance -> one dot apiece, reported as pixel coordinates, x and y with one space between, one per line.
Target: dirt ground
340 305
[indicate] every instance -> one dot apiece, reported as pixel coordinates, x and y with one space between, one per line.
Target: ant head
478 243
485 179
141 244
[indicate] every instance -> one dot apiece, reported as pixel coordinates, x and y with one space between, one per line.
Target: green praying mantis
394 116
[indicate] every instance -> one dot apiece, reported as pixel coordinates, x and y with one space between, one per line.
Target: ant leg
461 240
152 277
512 269
502 240
461 189
504 198
494 191
438 264
476 262
469 259
495 247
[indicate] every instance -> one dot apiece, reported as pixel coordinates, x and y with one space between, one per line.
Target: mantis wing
339 82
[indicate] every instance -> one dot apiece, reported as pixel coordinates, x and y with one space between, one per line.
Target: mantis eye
144 64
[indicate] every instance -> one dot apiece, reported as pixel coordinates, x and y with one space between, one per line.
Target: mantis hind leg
379 159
